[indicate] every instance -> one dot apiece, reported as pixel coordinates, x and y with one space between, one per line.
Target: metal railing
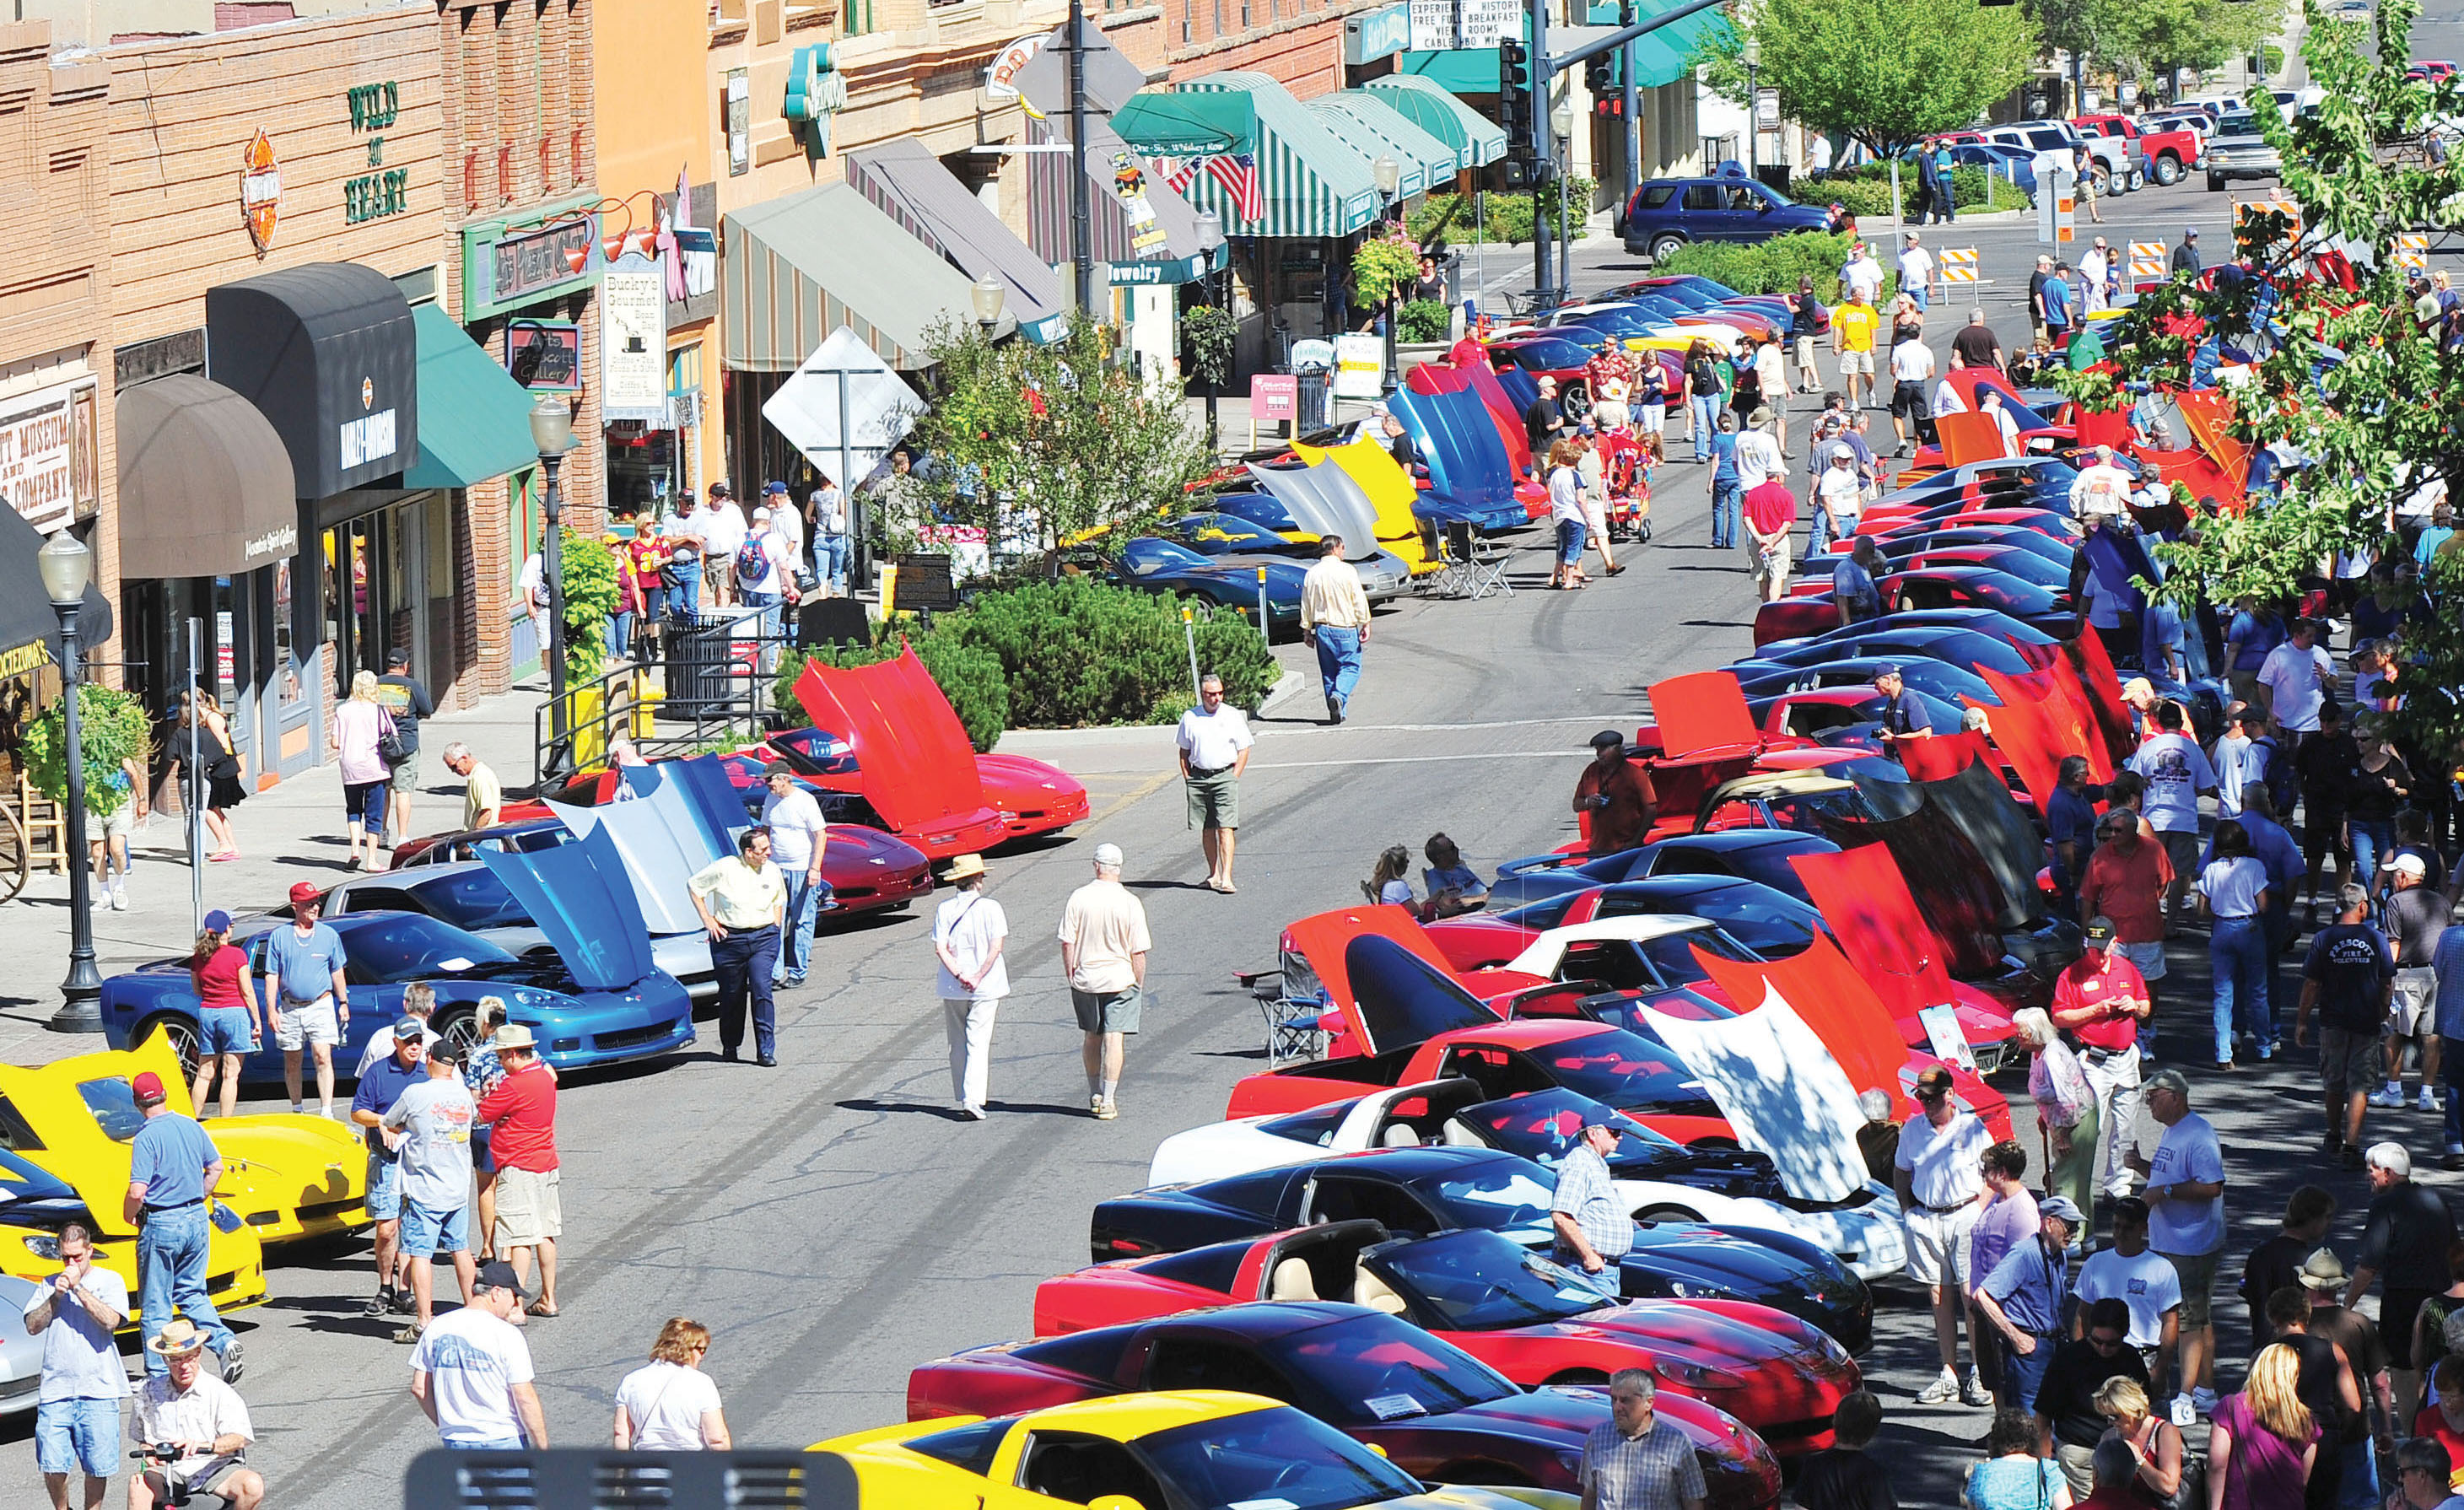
596 1477
708 687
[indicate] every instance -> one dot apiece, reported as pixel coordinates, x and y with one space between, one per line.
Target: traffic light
1599 75
1514 95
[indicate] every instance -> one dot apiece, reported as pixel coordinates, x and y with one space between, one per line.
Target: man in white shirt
1335 621
1916 270
799 836
1911 367
1947 399
2004 422
1862 276
202 1419
784 517
1214 739
2092 272
2144 1281
2297 674
471 1371
969 934
721 528
1838 497
2100 488
1759 458
76 1413
1940 1177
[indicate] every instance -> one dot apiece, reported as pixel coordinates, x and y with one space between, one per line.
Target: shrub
591 595
1769 267
1423 320
112 727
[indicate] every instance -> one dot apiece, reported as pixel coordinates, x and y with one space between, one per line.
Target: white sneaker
1977 1393
119 896
2204 1401
2388 1096
1942 1392
2427 1101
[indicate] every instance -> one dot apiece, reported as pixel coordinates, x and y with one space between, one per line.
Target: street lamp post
66 566
1388 175
986 294
552 432
1753 54
1210 235
1563 118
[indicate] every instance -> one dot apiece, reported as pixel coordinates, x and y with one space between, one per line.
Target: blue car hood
662 843
1460 444
580 898
22 1181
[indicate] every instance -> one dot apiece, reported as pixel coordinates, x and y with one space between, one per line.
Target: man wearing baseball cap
307 1000
1902 716
471 1371
1940 1179
172 1169
1104 945
799 836
2101 1001
1594 1228
2022 1299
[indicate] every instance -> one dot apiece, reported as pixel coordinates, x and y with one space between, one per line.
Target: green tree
2347 380
2164 37
1037 445
1886 73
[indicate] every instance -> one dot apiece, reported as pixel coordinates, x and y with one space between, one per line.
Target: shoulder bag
391 747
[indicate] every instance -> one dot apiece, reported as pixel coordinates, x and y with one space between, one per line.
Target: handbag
391 747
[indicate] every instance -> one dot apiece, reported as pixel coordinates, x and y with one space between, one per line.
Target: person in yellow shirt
1853 325
1334 620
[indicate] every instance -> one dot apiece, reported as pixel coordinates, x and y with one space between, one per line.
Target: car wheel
2138 180
2216 182
183 1033
1576 394
459 1026
2169 170
1665 245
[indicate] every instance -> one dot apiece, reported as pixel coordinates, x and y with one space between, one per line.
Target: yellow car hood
1391 493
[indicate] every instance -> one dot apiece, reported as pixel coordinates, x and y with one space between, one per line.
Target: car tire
183 1035
458 1026
1577 394
2138 180
2169 170
1665 245
2216 182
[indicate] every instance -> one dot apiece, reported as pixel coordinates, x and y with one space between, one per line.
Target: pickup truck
2117 168
2169 154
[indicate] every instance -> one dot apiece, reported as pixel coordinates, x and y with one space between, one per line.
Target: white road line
1474 755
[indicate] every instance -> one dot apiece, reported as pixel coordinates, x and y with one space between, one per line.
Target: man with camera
195 1429
77 1417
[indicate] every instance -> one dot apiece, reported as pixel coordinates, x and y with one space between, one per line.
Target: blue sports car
599 1000
1227 582
1752 854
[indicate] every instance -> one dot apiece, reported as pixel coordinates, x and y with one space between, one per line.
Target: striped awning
797 268
1311 181
1369 126
903 180
1427 104
1172 250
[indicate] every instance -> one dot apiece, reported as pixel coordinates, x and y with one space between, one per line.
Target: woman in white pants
968 932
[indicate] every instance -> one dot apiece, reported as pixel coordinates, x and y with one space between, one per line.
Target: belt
289 1001
2100 1056
173 1205
1937 1210
1206 772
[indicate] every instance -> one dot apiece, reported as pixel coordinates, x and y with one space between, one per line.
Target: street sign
1958 265
2056 224
1482 22
1766 110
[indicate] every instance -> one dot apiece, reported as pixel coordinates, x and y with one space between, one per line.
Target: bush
112 727
1769 267
1423 320
1509 214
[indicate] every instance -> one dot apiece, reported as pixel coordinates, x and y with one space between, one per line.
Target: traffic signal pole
1629 129
1544 150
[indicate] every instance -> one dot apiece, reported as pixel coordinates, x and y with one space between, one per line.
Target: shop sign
382 191
28 658
371 437
1485 22
1130 186
633 346
1274 397
1001 76
547 252
260 190
1359 366
530 265
1377 33
47 454
544 356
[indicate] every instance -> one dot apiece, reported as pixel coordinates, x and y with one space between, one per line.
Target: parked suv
1666 213
2167 156
2236 150
2115 172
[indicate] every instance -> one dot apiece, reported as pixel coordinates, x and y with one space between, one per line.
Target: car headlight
1697 1376
44 1247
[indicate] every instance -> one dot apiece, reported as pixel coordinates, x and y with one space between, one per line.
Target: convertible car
1752 854
286 1175
1153 1452
1520 1314
1430 1190
1420 1402
603 1001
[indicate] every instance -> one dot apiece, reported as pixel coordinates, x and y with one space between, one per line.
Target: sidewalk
287 833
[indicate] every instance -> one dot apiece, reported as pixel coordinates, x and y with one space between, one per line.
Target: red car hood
1865 901
1033 797
919 771
1472 943
1702 713
1683 1331
1324 939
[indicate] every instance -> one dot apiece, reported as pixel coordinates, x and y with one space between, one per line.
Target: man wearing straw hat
520 1110
201 1419
968 932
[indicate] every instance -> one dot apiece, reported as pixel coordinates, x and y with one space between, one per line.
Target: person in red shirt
2101 1001
2442 1420
521 1111
1770 514
643 557
1617 796
2126 880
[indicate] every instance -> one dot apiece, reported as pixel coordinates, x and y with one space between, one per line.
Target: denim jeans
1338 663
830 558
2373 838
685 603
2238 959
768 606
620 636
2450 1074
744 960
1916 292
1726 500
1608 1281
172 1255
1821 537
804 899
1705 409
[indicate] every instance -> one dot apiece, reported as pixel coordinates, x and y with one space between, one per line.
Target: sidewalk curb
1286 686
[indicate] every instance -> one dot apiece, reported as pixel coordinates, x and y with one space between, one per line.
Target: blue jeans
768 604
2450 1074
1821 538
80 1435
1608 1281
2238 959
620 636
1338 663
2022 1375
1915 291
744 959
2372 838
1728 500
830 559
171 1253
804 899
2357 1487
492 1444
1705 409
685 603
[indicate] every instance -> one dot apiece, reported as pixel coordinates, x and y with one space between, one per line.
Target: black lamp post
1210 235
552 431
67 566
1388 175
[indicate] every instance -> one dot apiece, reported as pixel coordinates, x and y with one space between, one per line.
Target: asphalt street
834 1224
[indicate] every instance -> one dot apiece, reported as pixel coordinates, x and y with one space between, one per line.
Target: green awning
1375 128
1458 71
1477 141
1311 182
474 420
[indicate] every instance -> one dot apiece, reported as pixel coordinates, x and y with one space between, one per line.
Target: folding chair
1452 578
1483 564
1293 1031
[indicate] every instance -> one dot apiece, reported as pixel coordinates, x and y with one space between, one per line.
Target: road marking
1422 728
1474 755
1141 791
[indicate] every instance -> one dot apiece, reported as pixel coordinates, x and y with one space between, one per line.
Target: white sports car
1658 1178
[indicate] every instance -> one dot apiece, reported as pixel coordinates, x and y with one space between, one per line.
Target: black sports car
1752 854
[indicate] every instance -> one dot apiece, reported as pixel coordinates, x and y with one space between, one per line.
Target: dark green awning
474 418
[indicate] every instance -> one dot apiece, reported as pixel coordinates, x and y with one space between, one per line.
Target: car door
1077 1468
1708 216
1177 1362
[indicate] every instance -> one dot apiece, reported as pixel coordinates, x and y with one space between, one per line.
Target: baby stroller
1628 487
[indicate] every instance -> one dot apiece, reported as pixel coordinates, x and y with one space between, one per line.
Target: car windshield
472 899
397 947
1501 1193
1481 1282
2011 595
1148 555
1548 356
1544 914
1618 1068
1543 1126
1373 1369
1276 1459
1620 321
1672 955
114 1106
1686 294
1753 915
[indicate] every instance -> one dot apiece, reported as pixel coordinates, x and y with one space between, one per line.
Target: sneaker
2388 1096
2427 1101
2453 1159
119 896
2203 1400
382 1305
234 1363
1976 1393
1942 1392
1107 1111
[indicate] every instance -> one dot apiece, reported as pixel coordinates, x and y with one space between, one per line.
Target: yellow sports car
1390 492
35 1204
1178 1450
287 1177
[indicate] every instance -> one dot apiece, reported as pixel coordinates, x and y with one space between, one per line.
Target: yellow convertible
1203 1449
287 1177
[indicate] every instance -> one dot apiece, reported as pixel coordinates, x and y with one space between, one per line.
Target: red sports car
1514 1310
910 756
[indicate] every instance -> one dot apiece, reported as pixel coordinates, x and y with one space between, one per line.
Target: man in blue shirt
1852 583
379 1089
2022 1300
2070 823
2449 963
2178 775
2056 297
307 1001
172 1169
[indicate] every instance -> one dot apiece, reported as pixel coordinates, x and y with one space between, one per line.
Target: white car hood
1780 1090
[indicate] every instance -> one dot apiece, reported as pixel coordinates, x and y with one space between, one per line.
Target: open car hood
663 840
1388 488
1951 892
578 896
1703 711
916 765
1865 903
1325 939
1323 500
1975 800
1433 377
1466 459
1787 1098
1399 998
1837 1003
2056 721
2103 685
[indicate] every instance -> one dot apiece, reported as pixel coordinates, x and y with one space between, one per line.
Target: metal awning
326 352
1372 126
907 183
1458 71
30 626
799 267
1160 246
1310 181
1427 104
204 482
477 418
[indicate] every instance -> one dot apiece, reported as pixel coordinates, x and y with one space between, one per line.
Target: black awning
204 483
329 354
27 616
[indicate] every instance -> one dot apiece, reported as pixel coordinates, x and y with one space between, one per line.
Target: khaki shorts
404 773
1214 800
2197 1272
2414 1010
1774 564
718 575
1855 362
528 1208
2349 1061
1805 351
307 1023
1938 1244
118 824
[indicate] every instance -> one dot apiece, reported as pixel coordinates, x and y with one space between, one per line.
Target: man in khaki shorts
521 1114
1104 948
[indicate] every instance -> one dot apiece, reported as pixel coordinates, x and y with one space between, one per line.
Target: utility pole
1544 151
1629 128
1082 236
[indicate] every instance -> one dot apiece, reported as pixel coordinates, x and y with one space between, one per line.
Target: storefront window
289 686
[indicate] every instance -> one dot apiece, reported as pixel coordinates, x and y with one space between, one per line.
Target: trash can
1315 385
705 669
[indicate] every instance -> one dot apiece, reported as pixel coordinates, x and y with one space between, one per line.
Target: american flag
1236 172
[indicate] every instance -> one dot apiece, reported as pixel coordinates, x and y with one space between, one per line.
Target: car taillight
1123 1245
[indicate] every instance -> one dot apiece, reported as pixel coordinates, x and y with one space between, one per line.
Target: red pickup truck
2168 155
